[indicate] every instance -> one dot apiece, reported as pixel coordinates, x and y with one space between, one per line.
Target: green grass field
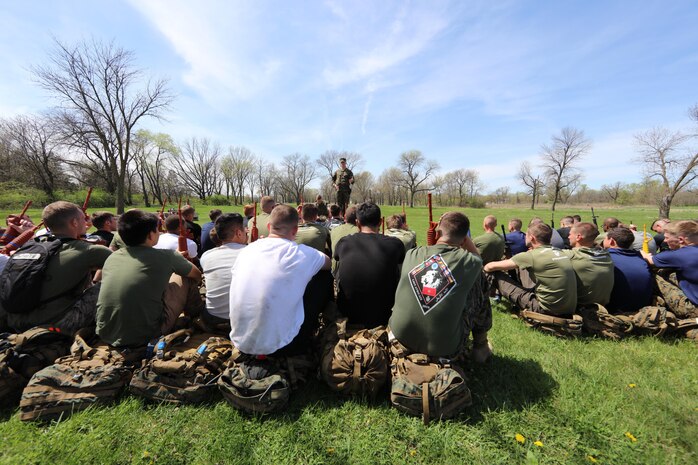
574 401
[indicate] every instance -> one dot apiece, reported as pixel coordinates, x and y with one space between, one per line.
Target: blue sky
477 85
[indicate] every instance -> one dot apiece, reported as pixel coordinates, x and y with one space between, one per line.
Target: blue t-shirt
685 261
632 281
518 242
206 242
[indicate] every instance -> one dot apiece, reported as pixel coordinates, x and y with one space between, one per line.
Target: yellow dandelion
330 450
591 459
632 385
538 443
145 455
520 438
630 436
413 453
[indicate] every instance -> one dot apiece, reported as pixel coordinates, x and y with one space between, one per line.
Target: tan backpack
559 326
653 320
598 322
354 362
688 328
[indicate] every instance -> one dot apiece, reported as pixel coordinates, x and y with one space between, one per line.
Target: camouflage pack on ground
425 386
22 355
653 320
262 384
559 326
184 369
688 327
354 361
598 322
94 373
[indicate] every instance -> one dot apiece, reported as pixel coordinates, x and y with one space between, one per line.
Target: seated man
68 295
632 279
679 289
593 267
268 311
658 227
430 315
188 213
105 222
311 233
139 301
368 270
549 286
564 230
342 230
260 221
556 240
640 237
608 224
321 207
335 219
170 239
217 264
206 241
396 228
490 245
516 238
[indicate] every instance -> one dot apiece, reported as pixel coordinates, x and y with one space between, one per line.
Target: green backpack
653 320
94 373
184 369
22 355
598 322
688 327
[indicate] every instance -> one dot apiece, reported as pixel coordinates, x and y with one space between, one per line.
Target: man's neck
369 230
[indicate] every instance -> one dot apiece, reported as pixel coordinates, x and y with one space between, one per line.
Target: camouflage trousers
82 313
667 286
478 316
343 196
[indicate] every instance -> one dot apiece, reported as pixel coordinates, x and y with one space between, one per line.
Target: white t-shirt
170 241
218 264
266 293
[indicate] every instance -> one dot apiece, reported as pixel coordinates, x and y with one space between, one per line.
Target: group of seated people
268 294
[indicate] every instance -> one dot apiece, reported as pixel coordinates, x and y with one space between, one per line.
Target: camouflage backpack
598 322
653 320
260 384
557 325
354 361
425 386
688 328
94 373
184 369
22 355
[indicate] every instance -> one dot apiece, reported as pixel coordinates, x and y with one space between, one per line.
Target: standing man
342 180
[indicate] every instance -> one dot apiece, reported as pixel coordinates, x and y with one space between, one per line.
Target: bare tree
613 191
363 186
267 177
533 181
240 170
297 171
663 156
152 155
198 168
501 194
416 171
559 160
34 142
97 86
466 183
329 160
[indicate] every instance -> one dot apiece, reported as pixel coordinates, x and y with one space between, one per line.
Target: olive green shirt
339 232
314 235
129 308
408 238
260 221
117 242
430 302
490 246
556 284
594 274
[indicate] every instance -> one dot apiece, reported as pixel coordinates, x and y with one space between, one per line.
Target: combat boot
482 348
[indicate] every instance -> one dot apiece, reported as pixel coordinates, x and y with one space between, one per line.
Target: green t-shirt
117 242
429 310
408 238
314 235
261 221
490 246
339 232
556 285
594 271
129 307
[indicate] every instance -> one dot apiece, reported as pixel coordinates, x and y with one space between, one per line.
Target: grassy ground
585 401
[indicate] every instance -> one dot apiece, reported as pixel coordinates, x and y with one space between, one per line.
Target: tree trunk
665 205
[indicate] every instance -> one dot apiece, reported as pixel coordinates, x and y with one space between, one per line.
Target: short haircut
283 219
454 226
214 213
188 210
248 211
490 221
100 218
350 215
226 225
172 223
661 221
623 236
267 203
57 215
685 228
541 231
588 231
369 214
516 224
577 218
394 222
135 225
567 220
610 223
309 212
335 210
535 220
342 159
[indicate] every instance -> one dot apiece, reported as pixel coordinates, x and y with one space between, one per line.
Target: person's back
395 227
632 278
206 241
516 239
490 245
311 233
639 239
593 267
170 239
682 239
367 270
342 230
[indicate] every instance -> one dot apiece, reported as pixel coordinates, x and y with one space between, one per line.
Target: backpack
688 327
262 384
598 322
22 355
184 369
23 276
354 362
653 320
425 386
94 373
559 326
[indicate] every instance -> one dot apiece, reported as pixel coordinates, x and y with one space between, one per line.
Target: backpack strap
166 342
425 403
29 335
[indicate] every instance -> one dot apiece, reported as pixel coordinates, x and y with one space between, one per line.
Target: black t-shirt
196 231
368 270
106 236
565 234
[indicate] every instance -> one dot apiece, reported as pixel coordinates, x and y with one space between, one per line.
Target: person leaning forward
342 180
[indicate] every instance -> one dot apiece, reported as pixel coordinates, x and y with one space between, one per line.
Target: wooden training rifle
182 240
20 240
404 215
161 218
254 232
383 224
431 230
11 232
86 203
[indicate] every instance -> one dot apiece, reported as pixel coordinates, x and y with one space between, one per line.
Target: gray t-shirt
217 264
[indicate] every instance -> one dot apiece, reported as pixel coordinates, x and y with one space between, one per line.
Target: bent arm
502 265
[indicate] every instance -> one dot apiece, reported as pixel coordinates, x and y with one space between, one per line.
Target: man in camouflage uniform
342 180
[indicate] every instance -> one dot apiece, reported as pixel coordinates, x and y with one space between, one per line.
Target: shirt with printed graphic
428 315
